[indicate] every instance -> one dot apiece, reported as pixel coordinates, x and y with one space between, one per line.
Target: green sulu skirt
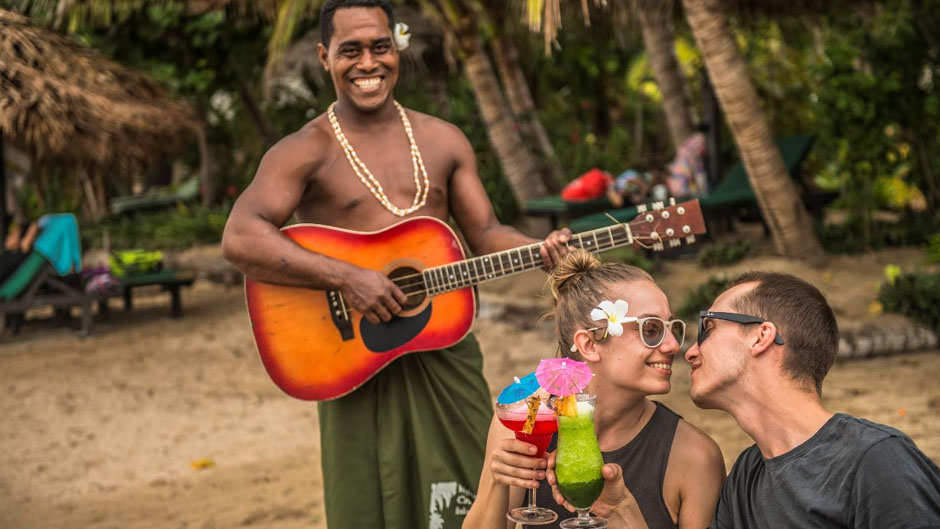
405 450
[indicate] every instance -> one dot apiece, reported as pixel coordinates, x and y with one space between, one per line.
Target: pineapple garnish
533 405
566 406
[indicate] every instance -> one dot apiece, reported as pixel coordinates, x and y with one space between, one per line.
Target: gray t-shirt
852 473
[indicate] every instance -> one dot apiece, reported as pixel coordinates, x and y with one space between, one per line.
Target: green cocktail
578 460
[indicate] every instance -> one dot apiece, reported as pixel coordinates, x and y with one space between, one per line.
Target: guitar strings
408 283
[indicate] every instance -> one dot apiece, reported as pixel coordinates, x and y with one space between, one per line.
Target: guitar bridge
340 315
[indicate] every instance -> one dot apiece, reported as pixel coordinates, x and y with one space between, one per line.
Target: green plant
933 248
172 229
910 230
915 295
724 254
701 298
631 257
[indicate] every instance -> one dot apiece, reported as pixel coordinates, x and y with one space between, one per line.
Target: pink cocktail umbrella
563 376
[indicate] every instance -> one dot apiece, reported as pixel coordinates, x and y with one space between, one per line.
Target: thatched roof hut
67 104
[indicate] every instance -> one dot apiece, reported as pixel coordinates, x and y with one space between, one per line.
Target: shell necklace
369 180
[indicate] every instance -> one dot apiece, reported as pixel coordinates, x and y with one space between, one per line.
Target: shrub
724 254
172 229
910 230
701 298
915 295
629 256
933 248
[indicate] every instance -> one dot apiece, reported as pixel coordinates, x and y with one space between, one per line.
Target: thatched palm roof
68 103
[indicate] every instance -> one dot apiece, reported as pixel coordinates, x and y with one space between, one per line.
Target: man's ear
586 346
322 53
761 341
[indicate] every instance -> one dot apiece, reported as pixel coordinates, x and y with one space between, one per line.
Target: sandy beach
159 423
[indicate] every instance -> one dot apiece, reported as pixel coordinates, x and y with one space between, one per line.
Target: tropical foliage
864 81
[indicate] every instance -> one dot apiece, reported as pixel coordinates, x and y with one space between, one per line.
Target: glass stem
532 506
584 515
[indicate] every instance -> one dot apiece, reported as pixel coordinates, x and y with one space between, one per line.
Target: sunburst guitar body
315 347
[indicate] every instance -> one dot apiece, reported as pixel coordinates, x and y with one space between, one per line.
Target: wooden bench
169 280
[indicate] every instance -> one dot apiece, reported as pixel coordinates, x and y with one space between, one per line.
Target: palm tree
782 208
655 18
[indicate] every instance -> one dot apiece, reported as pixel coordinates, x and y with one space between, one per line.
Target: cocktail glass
578 460
514 416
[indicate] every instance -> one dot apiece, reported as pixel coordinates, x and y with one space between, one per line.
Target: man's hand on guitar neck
554 247
373 295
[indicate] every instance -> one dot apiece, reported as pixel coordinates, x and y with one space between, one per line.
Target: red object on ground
592 184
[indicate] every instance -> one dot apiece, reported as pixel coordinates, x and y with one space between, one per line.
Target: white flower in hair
615 313
401 35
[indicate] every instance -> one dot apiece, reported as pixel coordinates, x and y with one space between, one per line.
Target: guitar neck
469 272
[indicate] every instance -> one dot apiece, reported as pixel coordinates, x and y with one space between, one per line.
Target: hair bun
566 273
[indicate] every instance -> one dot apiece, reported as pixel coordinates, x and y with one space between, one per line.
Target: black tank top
643 461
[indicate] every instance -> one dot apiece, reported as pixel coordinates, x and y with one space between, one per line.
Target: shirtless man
405 450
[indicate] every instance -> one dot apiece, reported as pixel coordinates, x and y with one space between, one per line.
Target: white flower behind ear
401 35
615 314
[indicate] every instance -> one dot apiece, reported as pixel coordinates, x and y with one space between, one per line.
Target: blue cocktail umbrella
518 390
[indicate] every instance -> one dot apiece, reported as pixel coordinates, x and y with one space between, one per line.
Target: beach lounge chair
733 192
186 192
46 278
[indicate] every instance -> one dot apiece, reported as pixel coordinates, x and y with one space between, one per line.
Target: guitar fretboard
477 270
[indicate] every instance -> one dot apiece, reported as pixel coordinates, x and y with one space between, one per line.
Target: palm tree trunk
659 40
782 208
516 160
506 59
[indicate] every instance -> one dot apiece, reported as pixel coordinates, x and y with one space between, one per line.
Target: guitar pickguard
385 336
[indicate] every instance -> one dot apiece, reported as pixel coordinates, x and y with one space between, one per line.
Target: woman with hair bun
660 471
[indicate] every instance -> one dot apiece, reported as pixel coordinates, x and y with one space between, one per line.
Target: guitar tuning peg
658 205
690 239
674 242
672 201
641 208
658 246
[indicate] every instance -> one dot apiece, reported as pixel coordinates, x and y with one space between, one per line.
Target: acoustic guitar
314 347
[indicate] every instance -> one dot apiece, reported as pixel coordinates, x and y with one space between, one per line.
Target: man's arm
253 242
474 213
895 485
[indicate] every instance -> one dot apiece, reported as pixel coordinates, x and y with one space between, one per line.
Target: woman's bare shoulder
696 449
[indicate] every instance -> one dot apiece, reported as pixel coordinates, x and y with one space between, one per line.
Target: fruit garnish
533 404
566 406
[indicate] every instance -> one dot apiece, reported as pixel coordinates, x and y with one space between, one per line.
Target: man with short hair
405 449
764 347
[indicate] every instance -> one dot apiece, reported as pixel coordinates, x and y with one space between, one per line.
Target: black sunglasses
729 316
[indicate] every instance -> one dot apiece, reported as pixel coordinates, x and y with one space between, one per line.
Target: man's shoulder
305 146
433 124
865 433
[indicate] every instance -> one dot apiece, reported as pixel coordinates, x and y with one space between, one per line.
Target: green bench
558 209
168 280
733 192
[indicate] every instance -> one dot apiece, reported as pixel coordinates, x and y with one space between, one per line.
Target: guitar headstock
659 224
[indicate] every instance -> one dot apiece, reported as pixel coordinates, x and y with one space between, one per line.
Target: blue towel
59 243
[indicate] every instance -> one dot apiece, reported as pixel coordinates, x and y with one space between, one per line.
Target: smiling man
764 348
405 449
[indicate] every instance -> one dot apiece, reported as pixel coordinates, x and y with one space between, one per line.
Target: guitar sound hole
411 282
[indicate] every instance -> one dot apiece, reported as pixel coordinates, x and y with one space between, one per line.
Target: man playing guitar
413 436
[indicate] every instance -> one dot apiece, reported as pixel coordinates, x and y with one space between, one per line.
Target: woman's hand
514 463
615 494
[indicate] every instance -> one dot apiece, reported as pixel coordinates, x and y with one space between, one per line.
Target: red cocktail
533 421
